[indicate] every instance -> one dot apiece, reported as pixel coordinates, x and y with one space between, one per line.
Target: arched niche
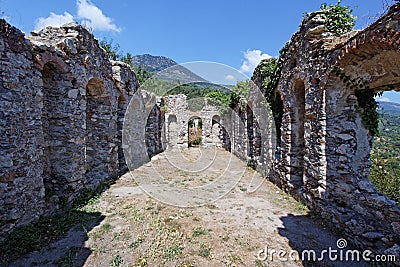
172 130
56 158
297 143
98 131
195 128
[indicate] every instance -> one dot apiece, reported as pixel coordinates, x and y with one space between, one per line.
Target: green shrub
339 19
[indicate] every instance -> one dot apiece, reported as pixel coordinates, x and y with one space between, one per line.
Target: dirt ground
240 215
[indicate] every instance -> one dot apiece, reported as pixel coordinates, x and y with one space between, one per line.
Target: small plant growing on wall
339 19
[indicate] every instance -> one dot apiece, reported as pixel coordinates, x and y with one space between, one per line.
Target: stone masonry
177 117
324 153
62 108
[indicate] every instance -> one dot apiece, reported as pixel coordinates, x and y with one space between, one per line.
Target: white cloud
53 20
383 99
252 59
230 78
93 17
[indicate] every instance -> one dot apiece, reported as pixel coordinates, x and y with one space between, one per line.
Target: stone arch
365 69
297 141
361 68
216 118
194 132
367 44
57 162
172 130
154 130
98 131
133 136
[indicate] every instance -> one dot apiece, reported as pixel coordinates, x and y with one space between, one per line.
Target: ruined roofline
351 36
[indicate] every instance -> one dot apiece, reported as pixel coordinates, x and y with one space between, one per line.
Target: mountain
153 63
390 108
166 68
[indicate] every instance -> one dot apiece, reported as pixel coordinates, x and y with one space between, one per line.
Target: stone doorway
195 129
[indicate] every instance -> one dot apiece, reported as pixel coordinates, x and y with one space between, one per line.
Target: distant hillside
153 63
172 72
385 154
390 108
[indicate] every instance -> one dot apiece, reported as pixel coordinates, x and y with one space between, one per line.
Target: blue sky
236 33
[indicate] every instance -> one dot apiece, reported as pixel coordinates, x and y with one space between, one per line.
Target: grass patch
106 227
173 251
204 251
134 245
198 231
116 261
35 236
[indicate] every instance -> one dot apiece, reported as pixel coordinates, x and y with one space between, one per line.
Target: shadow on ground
63 234
306 243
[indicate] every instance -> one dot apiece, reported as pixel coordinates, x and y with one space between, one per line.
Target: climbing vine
367 105
271 73
368 109
339 19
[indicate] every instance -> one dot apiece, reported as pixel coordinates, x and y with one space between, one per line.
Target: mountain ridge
165 68
389 107
153 63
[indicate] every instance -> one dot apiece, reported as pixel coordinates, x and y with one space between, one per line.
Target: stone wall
247 131
177 117
21 184
325 148
69 117
62 113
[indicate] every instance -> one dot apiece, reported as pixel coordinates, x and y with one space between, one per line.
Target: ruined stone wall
154 129
246 131
177 116
176 120
324 146
62 115
21 139
127 84
62 106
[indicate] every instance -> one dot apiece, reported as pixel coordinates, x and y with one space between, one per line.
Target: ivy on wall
271 74
368 109
367 106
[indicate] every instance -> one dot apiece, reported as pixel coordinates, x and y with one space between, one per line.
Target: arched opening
98 131
297 146
385 152
122 106
55 122
352 124
172 130
195 128
153 131
216 131
239 133
250 135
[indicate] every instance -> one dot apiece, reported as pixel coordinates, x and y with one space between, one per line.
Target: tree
219 99
142 74
111 49
240 93
127 59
